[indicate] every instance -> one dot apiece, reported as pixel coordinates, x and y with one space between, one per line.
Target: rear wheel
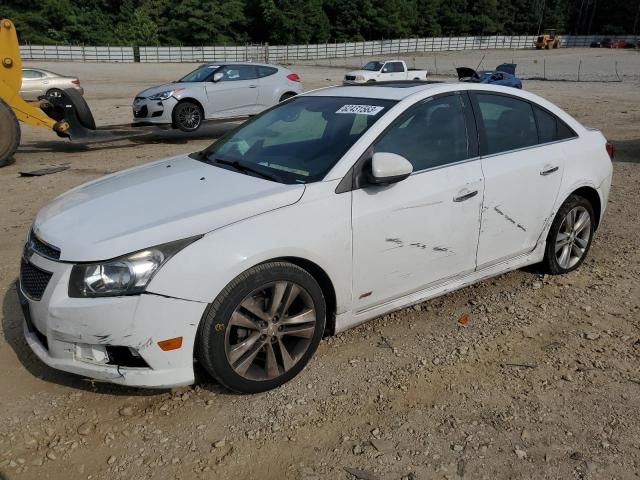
9 134
54 92
570 236
287 96
263 328
187 116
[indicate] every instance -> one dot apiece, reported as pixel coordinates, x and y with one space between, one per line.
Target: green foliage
210 22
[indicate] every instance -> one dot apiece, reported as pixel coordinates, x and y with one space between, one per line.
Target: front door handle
253 86
465 195
548 170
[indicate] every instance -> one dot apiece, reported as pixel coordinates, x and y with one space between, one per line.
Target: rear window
266 71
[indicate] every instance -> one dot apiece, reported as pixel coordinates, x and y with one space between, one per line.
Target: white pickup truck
384 71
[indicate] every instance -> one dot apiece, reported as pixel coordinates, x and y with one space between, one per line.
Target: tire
9 134
187 116
83 112
287 96
563 238
54 92
230 330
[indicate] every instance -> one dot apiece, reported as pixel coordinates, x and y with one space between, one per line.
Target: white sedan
328 210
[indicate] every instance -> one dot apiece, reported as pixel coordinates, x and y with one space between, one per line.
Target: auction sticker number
361 109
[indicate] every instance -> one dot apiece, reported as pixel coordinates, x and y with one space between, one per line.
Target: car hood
361 72
467 73
153 204
167 86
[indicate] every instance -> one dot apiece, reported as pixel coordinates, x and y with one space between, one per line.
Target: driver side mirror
218 76
388 168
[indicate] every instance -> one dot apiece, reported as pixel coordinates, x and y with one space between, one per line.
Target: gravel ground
542 382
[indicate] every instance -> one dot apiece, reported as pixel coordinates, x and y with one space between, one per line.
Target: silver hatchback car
216 91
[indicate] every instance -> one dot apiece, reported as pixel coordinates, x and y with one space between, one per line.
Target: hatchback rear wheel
263 328
570 236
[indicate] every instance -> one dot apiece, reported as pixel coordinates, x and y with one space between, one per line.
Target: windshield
298 141
200 74
373 66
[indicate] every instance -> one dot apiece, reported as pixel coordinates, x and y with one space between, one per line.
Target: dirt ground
543 382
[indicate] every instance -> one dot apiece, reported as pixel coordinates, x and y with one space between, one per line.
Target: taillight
610 150
75 82
294 77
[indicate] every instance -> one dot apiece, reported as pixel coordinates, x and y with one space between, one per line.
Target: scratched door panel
519 199
413 234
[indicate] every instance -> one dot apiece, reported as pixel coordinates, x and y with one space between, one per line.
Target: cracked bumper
71 334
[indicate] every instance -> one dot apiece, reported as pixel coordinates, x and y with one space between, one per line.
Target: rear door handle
548 170
465 195
253 86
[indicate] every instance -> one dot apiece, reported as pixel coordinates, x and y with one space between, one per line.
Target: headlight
164 95
360 77
124 275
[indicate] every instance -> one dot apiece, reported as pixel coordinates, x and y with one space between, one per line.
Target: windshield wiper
244 168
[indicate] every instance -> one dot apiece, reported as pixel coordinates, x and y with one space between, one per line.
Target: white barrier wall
289 53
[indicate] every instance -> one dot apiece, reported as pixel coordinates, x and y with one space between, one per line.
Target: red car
618 44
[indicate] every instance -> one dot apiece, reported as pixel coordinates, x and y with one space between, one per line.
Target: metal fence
291 53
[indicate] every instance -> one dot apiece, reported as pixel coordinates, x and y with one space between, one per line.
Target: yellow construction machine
548 39
67 115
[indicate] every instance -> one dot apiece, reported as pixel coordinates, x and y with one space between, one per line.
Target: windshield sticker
213 66
361 109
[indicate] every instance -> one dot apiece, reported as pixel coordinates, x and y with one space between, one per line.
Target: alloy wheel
189 116
573 237
270 331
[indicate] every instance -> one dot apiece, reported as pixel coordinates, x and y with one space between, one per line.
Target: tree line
216 22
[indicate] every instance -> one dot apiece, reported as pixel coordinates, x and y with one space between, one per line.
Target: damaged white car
323 212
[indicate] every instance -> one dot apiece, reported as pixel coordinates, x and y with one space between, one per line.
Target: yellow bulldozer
548 39
67 115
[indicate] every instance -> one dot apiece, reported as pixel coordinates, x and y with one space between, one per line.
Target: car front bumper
86 335
153 111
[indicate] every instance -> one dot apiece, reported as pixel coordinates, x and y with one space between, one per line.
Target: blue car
504 75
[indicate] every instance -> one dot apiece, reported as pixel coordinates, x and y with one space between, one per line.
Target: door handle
253 86
548 170
465 196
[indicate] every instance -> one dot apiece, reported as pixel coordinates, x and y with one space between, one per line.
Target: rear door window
509 123
266 71
395 67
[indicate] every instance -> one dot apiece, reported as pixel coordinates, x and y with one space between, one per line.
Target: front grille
141 113
44 249
349 77
34 281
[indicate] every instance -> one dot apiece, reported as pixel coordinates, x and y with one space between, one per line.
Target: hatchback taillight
294 77
75 82
610 150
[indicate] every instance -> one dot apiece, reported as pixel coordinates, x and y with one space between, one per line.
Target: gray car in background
37 82
216 91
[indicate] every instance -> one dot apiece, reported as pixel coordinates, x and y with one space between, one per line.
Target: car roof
42 70
256 64
378 90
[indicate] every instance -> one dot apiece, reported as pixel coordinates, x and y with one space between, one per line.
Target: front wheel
570 236
187 116
10 138
263 328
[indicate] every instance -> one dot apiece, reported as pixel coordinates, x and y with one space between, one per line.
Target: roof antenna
481 60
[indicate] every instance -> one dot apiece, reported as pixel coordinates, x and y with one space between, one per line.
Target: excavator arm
11 81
